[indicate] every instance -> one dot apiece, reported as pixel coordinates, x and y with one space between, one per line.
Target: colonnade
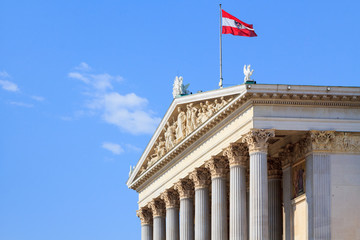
197 207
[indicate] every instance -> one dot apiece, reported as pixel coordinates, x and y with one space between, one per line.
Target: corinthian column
237 154
158 209
201 179
185 188
146 223
275 206
218 167
171 199
318 187
286 160
259 212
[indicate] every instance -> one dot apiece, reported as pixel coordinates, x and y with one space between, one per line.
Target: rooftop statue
247 73
179 88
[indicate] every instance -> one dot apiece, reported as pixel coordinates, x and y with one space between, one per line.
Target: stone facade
253 162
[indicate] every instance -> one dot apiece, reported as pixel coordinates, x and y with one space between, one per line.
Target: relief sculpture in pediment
188 118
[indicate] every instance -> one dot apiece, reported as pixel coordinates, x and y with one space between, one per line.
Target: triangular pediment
185 115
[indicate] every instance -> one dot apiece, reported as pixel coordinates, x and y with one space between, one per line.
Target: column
201 179
256 140
237 154
218 167
145 216
171 199
318 188
275 204
158 210
186 191
286 155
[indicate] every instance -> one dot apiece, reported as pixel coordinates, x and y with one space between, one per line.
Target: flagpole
221 78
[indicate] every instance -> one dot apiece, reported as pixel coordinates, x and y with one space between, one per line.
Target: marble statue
179 88
189 127
181 125
247 73
194 111
169 136
161 147
210 108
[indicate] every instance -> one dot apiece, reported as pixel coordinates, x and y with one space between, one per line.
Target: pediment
185 115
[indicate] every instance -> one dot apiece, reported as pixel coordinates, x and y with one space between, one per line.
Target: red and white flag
232 25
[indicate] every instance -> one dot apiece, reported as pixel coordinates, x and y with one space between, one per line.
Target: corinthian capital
274 168
145 215
237 153
185 188
286 155
257 139
158 207
171 198
218 166
200 177
321 140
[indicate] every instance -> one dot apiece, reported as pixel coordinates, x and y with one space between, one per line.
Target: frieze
188 118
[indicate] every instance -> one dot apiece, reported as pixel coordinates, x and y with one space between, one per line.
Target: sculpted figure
202 116
189 128
210 108
217 105
180 129
169 136
177 86
161 148
247 73
193 117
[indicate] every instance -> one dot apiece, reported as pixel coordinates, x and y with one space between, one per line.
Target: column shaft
159 228
219 223
275 209
318 196
202 216
146 232
286 185
259 222
238 223
186 219
172 223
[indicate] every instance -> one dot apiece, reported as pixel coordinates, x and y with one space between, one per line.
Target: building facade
255 162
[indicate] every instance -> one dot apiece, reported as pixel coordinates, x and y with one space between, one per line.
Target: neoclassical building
253 161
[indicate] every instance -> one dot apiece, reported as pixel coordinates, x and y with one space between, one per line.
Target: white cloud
133 148
129 112
113 147
9 86
38 98
79 76
4 74
83 67
22 104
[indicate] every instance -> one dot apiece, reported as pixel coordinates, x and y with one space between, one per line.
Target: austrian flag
232 25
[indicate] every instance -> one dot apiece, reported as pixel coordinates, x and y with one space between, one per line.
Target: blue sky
83 85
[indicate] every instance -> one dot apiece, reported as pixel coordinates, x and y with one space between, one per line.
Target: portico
286 139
